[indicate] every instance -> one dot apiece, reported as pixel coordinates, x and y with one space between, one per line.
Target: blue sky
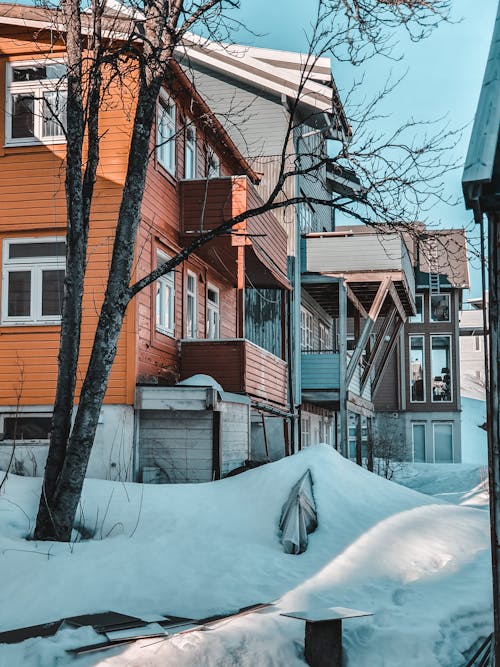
444 73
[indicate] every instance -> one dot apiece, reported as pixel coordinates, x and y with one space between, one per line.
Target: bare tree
143 38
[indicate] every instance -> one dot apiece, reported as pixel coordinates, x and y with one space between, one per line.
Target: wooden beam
397 302
388 322
356 302
373 314
385 357
343 385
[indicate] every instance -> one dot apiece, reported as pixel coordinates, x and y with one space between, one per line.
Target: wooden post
359 453
216 445
241 292
323 644
369 424
342 345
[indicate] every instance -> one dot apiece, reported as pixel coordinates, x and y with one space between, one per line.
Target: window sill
166 173
23 143
165 332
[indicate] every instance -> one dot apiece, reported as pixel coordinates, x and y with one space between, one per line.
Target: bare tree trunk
64 499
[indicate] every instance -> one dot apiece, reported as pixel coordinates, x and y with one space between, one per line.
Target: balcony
239 366
206 204
363 258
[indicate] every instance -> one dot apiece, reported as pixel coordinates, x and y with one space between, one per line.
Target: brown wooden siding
239 366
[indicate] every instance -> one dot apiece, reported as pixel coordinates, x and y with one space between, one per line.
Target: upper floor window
306 218
419 315
417 369
441 368
325 337
190 153
36 103
306 330
440 307
213 312
213 165
191 306
32 280
165 135
165 299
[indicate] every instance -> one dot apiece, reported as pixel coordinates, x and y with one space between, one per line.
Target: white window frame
325 336
448 297
165 285
14 415
190 153
424 373
413 424
166 143
305 431
306 218
192 295
36 266
37 88
213 309
213 164
440 423
451 374
306 330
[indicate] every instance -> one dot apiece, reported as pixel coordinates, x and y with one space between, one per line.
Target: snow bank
419 564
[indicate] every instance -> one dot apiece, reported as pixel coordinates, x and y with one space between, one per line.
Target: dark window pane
26 428
22 116
52 292
19 294
38 72
45 249
30 73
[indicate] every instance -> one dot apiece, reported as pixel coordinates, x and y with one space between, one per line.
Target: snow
474 439
419 563
201 380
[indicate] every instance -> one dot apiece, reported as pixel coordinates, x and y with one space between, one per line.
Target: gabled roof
122 25
281 73
482 156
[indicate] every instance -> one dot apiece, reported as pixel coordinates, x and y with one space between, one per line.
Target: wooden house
190 322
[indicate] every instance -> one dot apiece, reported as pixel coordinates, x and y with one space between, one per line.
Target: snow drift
420 564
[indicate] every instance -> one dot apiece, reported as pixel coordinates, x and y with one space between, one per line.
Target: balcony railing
239 366
320 370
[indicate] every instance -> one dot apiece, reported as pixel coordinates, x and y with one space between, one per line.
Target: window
418 438
190 153
325 337
306 330
213 165
26 427
32 280
440 307
306 431
213 312
165 140
165 299
191 306
306 218
443 442
441 368
417 369
419 316
36 103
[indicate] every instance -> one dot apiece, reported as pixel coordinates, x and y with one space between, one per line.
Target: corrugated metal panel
320 371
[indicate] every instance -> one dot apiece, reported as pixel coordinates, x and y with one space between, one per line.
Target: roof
480 162
297 76
122 25
441 251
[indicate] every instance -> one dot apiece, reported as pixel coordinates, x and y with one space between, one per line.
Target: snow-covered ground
419 563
